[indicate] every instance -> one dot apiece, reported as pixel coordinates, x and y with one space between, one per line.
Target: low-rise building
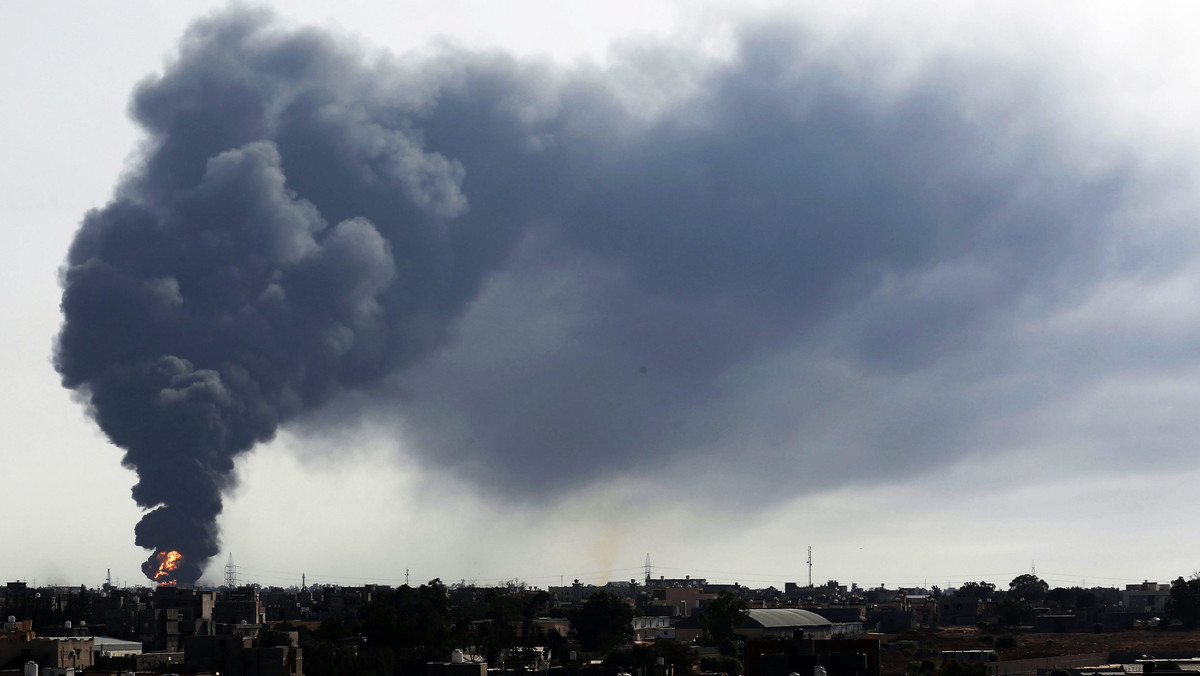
60 653
1147 597
239 656
959 609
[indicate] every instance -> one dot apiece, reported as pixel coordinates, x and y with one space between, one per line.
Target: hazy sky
914 285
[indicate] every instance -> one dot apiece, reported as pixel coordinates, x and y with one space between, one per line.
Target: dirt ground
1041 645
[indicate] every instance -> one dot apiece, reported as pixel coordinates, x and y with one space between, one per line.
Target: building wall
958 609
49 652
1148 597
684 601
237 656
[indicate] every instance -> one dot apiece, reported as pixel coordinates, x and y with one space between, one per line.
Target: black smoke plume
554 272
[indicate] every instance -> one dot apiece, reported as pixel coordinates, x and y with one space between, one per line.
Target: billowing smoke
217 296
559 273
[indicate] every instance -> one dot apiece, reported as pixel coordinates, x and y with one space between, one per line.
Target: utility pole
405 577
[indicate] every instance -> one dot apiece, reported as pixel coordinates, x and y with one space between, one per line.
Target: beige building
1147 597
59 653
684 601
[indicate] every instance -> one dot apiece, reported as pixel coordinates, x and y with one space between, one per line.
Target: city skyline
237 577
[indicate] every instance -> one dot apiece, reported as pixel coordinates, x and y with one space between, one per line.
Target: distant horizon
568 581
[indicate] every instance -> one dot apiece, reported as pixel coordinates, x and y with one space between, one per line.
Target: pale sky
986 361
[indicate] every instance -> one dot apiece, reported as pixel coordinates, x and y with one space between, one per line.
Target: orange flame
168 562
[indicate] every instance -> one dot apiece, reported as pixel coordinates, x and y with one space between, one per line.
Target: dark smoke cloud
789 275
550 276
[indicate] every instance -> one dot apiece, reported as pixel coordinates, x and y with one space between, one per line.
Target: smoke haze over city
746 281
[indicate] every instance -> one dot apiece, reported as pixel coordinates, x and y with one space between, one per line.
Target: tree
604 622
269 637
1029 587
947 668
674 653
1086 599
1061 598
411 625
720 617
1012 612
630 657
722 664
326 650
1184 604
980 590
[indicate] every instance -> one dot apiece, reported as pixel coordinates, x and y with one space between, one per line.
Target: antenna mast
810 566
647 569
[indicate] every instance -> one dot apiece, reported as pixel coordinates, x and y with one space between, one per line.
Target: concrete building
238 606
238 656
683 601
1147 597
775 623
348 602
286 606
786 623
109 646
892 620
959 609
651 627
57 653
195 607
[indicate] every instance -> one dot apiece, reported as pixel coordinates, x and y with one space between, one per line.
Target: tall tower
810 566
647 569
230 573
